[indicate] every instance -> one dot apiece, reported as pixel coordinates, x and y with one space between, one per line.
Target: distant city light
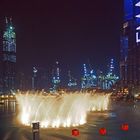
11 27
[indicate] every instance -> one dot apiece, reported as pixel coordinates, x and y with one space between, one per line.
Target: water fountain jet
66 110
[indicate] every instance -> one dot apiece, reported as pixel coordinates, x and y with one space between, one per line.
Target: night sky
72 32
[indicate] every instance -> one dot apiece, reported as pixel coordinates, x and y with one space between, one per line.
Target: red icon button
125 127
75 132
102 131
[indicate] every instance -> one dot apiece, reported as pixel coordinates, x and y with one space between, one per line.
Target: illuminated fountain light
69 109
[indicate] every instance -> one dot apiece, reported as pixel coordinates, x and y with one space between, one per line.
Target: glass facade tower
130 45
9 56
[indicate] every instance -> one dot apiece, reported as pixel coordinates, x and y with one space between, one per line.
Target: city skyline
70 70
13 79
87 35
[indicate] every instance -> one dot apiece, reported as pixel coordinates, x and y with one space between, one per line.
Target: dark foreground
120 113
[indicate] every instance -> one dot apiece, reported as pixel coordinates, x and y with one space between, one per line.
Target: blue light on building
72 81
128 9
55 78
89 80
9 56
130 45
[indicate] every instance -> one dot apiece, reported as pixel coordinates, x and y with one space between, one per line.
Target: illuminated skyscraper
89 80
9 56
72 81
55 77
111 67
130 45
34 79
108 80
111 78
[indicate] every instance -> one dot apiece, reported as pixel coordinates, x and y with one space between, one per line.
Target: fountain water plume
66 110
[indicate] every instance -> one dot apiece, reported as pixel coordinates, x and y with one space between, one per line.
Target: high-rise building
23 81
72 81
89 79
55 78
34 78
130 45
111 78
39 78
9 56
108 80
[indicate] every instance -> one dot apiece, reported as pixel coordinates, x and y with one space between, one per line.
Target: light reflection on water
124 112
9 107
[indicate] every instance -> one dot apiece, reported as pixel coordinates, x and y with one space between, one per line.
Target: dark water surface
112 120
